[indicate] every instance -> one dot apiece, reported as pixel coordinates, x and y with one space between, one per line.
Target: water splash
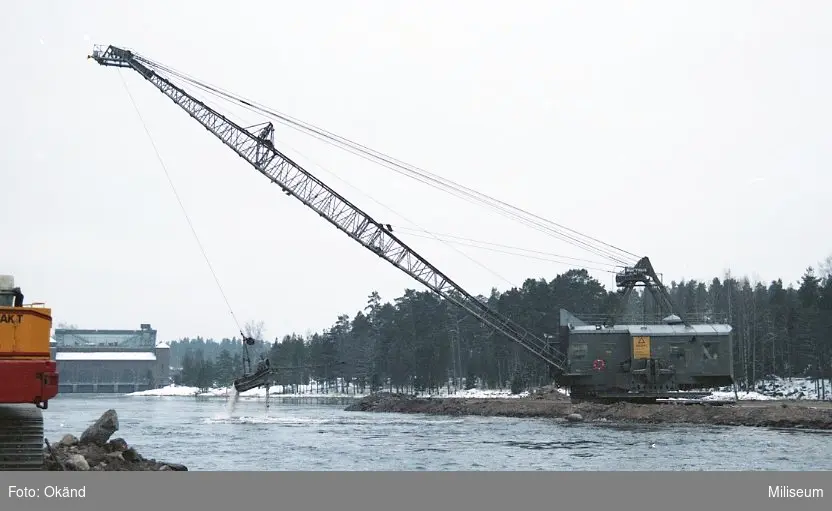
231 404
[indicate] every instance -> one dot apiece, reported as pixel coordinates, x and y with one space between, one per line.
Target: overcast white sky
691 132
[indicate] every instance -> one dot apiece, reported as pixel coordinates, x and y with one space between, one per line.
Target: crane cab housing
652 360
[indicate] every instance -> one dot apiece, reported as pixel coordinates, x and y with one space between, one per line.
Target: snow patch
174 390
726 395
475 394
777 388
766 390
105 355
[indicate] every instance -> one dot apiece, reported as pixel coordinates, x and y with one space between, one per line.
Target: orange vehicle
28 378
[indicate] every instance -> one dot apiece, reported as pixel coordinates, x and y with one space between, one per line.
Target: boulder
69 440
117 445
574 417
131 455
77 462
96 451
101 430
175 466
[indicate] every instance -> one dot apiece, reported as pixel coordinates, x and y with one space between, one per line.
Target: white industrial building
110 361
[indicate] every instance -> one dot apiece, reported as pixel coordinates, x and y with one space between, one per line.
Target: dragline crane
256 146
258 149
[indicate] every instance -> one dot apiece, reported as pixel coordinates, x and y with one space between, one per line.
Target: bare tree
254 329
826 268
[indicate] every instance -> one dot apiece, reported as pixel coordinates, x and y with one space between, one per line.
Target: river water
202 435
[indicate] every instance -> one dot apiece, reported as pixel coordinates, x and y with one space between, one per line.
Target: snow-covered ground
774 389
312 390
778 389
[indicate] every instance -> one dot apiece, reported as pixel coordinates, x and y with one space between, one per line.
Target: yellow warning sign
641 348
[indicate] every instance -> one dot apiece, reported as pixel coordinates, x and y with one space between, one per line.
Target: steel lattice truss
257 148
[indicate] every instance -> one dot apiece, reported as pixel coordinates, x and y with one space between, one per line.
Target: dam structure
110 361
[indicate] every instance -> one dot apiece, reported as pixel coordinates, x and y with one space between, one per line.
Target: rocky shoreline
96 451
776 414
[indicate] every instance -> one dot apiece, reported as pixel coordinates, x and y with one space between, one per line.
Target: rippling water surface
202 435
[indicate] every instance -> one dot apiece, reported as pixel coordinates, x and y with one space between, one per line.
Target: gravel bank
780 414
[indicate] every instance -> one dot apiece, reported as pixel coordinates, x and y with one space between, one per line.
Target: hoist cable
394 164
179 200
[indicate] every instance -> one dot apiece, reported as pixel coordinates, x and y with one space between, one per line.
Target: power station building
110 361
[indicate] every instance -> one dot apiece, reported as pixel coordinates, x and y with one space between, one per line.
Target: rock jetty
97 451
776 414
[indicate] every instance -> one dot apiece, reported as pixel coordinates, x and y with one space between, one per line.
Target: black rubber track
21 437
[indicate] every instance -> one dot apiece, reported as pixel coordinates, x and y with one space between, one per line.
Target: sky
690 132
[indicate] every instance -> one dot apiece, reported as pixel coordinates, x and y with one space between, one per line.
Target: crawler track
21 437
